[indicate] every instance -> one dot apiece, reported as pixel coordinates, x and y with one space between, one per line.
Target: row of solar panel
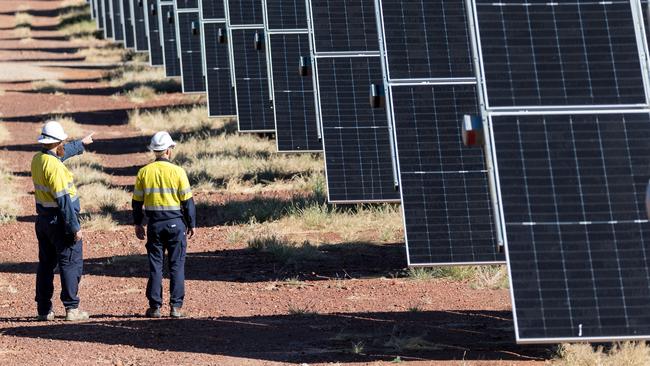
563 94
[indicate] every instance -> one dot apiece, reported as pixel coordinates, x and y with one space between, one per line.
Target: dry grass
4 132
23 19
98 197
77 23
9 206
133 75
25 33
87 159
478 277
48 86
174 120
141 94
283 250
623 354
84 175
98 222
103 53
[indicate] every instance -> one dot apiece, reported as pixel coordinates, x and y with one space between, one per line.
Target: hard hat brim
47 140
161 148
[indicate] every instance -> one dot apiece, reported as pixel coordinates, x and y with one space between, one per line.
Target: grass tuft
134 75
9 205
284 251
25 33
479 277
621 354
175 120
102 198
4 132
98 222
48 86
76 23
23 20
141 94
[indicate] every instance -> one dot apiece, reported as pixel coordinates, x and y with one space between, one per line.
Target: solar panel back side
189 36
140 26
127 23
167 21
221 94
153 30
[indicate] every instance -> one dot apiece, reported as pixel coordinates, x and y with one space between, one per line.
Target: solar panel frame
171 60
140 36
152 26
240 23
127 21
191 83
93 9
571 331
303 123
99 19
453 230
377 189
116 11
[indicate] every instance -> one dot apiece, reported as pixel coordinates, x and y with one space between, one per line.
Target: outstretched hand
88 139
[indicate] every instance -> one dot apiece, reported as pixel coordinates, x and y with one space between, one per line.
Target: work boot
48 317
153 313
176 312
74 315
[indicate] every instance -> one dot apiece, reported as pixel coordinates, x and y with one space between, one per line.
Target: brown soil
352 306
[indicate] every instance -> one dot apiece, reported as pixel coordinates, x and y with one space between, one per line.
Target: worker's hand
140 233
78 236
88 139
190 232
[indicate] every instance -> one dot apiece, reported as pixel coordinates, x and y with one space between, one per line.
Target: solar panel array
219 85
167 20
383 88
294 109
567 106
431 86
153 33
248 65
357 141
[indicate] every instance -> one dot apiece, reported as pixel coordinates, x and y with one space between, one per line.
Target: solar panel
220 91
188 34
116 13
565 53
249 65
127 21
93 9
167 21
100 14
108 20
153 30
445 192
213 10
139 26
187 4
357 141
292 92
571 172
251 80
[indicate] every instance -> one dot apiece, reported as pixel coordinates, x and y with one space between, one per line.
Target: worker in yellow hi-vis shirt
57 224
163 189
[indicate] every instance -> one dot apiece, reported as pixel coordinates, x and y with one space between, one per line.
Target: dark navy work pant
55 247
166 236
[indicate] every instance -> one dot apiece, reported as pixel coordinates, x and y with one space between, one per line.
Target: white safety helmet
161 141
51 133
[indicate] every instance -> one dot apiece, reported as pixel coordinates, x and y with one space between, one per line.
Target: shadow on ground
338 337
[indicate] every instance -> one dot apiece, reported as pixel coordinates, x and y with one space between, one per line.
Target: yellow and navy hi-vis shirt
54 189
164 191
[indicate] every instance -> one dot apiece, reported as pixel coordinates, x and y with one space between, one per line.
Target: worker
164 191
58 231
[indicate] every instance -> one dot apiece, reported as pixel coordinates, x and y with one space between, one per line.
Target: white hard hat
161 141
52 132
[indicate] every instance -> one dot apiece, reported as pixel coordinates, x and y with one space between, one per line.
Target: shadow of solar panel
341 26
559 53
286 14
251 82
108 19
293 97
139 26
213 9
355 136
444 185
118 33
187 4
167 21
427 39
221 94
127 27
190 52
573 190
153 30
243 12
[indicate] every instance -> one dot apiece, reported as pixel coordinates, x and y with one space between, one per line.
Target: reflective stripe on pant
55 247
166 236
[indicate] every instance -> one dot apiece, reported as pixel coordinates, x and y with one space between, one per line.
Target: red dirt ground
240 314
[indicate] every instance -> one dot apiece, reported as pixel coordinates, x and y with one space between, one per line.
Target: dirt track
240 314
